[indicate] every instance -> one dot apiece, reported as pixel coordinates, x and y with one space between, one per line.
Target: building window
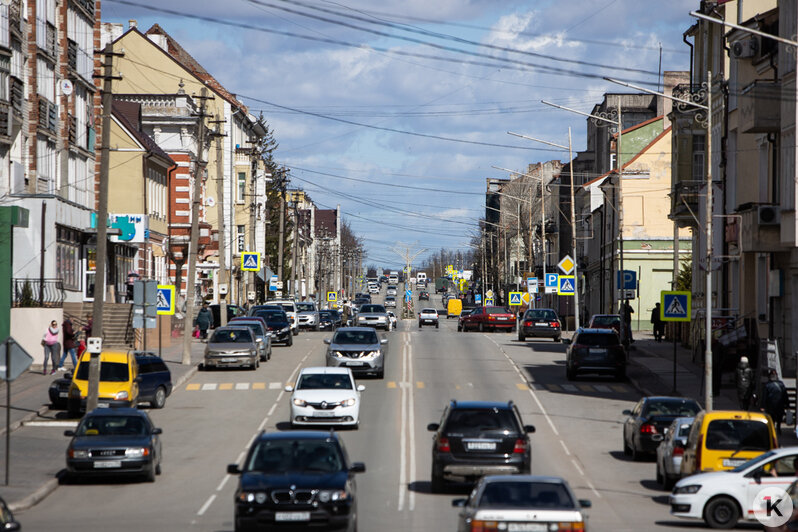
241 237
699 157
81 31
45 164
242 186
67 257
45 79
81 117
5 71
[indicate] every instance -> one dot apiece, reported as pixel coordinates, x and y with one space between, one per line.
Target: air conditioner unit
745 48
768 215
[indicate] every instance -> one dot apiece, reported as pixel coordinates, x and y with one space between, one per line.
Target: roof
339 370
633 159
641 124
117 412
525 478
129 116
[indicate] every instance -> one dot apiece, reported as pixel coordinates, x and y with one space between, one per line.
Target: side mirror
584 503
327 341
666 431
627 412
360 387
259 340
383 341
459 503
529 429
289 389
432 427
566 341
156 431
69 433
357 467
232 469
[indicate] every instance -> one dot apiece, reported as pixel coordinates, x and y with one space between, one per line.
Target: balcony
48 116
39 293
5 123
73 129
72 54
760 104
760 228
15 20
47 38
685 199
87 6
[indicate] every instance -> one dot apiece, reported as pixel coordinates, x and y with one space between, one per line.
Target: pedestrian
627 320
69 344
775 398
745 381
345 314
87 327
52 347
204 320
659 325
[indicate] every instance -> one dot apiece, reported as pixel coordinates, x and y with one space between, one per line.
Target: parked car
114 442
488 319
232 346
119 382
423 295
232 312
260 328
329 320
597 351
308 315
671 450
540 323
371 315
521 502
606 321
720 498
645 424
325 396
428 316
463 317
293 479
279 325
476 438
155 379
359 349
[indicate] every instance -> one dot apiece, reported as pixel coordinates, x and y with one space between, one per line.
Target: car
374 289
597 351
260 328
540 323
119 382
155 379
7 521
423 295
308 315
114 442
279 325
645 424
521 502
232 312
476 438
360 301
359 349
428 316
390 301
391 291
393 319
232 346
454 307
297 479
488 318
606 321
671 450
722 498
329 319
325 396
462 318
370 315
290 309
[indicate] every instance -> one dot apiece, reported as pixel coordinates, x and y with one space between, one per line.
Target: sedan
540 323
232 347
606 321
646 423
373 316
390 301
489 319
325 396
279 325
423 295
428 316
521 502
671 450
114 441
359 349
595 351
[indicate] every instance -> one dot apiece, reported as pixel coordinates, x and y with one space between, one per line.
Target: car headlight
348 402
285 329
121 395
372 354
336 354
77 453
689 489
252 496
300 402
137 452
333 495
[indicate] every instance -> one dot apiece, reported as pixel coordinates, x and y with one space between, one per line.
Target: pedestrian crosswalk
239 386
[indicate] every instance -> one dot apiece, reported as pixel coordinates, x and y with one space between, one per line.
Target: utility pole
295 254
281 239
573 233
199 170
408 256
708 388
102 223
253 196
224 273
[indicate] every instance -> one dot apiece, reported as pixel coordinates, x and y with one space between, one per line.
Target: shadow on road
698 524
424 486
551 377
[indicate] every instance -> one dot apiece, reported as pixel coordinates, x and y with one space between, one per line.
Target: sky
398 110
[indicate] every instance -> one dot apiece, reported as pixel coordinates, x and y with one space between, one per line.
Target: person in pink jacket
52 347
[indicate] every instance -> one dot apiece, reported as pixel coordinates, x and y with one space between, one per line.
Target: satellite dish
210 202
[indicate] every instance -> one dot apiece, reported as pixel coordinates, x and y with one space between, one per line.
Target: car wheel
627 451
73 411
570 374
158 469
317 328
159 399
660 479
290 341
557 338
722 512
668 482
636 455
295 331
620 375
437 483
459 328
149 476
437 326
521 337
381 374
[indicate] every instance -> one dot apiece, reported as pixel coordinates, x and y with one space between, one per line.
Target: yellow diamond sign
566 265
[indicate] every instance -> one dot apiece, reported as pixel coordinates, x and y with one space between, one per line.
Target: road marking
391 384
242 386
412 425
226 386
456 386
206 505
521 386
271 410
419 384
565 448
223 482
209 386
553 387
569 387
602 388
619 388
275 385
576 465
403 438
258 385
193 386
48 423
585 387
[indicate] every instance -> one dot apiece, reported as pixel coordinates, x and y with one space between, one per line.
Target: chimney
132 23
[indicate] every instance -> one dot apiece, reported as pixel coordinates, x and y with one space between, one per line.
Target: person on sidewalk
204 320
52 347
659 325
627 312
745 381
775 398
87 327
69 344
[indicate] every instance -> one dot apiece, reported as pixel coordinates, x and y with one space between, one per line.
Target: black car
232 312
477 438
114 442
329 320
540 323
423 295
279 324
7 521
596 351
296 480
646 422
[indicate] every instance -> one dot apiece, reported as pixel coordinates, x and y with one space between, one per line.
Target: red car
488 318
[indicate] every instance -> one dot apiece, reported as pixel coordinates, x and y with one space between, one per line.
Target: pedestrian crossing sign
515 298
332 297
488 301
566 285
250 261
675 306
165 299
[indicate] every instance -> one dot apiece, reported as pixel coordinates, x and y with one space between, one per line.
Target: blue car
156 379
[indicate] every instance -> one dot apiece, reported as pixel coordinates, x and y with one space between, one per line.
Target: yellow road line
419 384
193 386
521 385
226 386
258 385
457 387
585 387
391 384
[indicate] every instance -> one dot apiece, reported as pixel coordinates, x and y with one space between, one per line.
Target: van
723 439
454 308
119 382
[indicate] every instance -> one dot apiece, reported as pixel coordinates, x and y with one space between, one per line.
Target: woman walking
69 344
52 347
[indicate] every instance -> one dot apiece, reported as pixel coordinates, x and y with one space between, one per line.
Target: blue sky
386 82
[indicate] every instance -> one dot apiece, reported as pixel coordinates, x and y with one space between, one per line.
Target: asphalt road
210 421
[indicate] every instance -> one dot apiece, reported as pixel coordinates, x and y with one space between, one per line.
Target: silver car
263 337
359 349
671 450
308 315
373 316
232 347
390 301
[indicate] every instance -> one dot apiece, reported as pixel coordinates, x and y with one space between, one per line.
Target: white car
374 289
390 301
428 316
721 498
325 396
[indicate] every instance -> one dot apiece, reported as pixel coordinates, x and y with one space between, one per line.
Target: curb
34 498
18 423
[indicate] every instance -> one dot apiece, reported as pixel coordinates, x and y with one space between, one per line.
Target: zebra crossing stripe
192 387
226 386
258 385
209 386
242 386
275 385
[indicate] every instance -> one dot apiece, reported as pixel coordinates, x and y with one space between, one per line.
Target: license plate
542 324
102 405
324 413
63 394
526 527
292 516
732 462
597 351
355 364
107 464
502 319
229 359
481 446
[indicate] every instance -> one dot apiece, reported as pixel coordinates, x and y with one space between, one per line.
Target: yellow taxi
119 382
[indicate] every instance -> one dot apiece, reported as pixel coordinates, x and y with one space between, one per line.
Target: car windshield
497 310
605 321
738 434
109 372
320 381
112 426
429 311
671 407
272 316
541 314
477 421
325 314
390 298
526 495
305 307
231 336
684 430
373 308
256 326
285 456
287 307
597 339
355 337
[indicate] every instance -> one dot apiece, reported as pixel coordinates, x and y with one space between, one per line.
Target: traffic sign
515 298
566 285
408 295
532 285
273 283
165 300
629 279
332 297
675 305
20 360
525 297
552 283
488 301
489 295
250 261
478 298
566 265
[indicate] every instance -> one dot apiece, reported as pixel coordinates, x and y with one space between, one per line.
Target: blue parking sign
478 298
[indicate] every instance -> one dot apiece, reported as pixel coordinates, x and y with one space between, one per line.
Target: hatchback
155 379
595 351
646 423
119 382
359 349
428 316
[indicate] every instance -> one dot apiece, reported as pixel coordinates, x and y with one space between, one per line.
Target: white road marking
565 448
223 482
242 386
403 436
271 410
602 388
592 487
411 425
275 385
569 387
209 386
576 465
206 505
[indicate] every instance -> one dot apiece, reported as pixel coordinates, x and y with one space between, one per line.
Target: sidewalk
37 441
